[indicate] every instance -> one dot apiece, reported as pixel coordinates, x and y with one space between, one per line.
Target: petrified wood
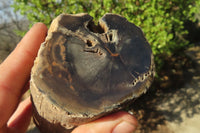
84 71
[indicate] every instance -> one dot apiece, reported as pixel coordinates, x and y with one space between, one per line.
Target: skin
15 71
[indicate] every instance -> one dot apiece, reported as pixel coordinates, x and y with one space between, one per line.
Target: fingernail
124 127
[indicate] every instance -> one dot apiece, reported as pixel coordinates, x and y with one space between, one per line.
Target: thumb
120 122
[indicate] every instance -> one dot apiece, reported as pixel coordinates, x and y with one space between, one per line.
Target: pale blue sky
6 12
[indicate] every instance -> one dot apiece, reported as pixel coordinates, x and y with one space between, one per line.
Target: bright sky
6 12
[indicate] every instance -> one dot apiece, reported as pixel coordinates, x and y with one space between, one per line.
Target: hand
14 81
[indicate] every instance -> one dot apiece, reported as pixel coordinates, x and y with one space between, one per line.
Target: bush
161 21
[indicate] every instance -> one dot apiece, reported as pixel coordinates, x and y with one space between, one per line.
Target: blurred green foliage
162 21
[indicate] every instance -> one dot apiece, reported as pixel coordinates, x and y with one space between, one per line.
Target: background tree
161 21
10 22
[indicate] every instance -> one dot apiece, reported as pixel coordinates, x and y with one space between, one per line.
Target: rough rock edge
67 120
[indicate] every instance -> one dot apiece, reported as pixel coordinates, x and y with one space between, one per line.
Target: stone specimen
84 71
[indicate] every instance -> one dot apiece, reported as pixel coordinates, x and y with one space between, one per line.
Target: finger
15 70
21 118
121 122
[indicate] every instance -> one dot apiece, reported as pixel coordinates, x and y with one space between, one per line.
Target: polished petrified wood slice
84 71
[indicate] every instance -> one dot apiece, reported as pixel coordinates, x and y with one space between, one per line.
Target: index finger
15 70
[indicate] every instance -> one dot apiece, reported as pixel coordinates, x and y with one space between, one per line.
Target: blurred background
172 27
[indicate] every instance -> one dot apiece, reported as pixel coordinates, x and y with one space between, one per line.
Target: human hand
14 81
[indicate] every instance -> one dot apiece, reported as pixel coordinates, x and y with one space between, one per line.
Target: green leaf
161 21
